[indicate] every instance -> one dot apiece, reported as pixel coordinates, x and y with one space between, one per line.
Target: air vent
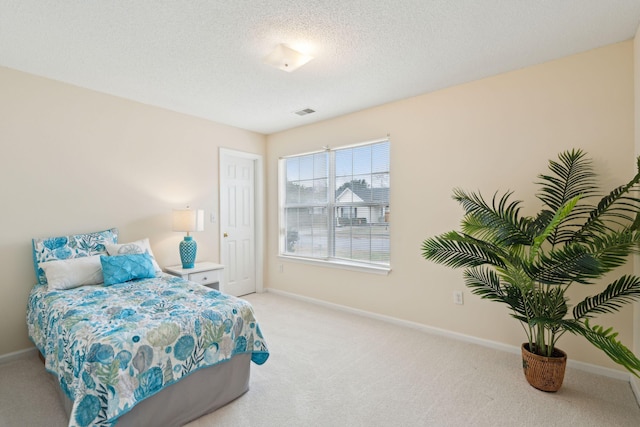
305 112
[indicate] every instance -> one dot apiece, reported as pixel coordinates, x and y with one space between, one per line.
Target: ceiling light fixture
286 59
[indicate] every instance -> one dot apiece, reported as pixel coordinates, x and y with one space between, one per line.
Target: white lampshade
286 59
188 220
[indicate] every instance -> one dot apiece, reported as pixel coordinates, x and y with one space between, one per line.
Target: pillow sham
72 246
122 268
73 272
138 247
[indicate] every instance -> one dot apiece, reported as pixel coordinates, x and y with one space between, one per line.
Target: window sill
344 265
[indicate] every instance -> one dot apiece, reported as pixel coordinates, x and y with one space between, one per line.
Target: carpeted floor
330 368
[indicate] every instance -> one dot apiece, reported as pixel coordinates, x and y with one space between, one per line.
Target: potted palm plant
530 262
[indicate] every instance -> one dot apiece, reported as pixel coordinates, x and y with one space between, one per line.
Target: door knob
225 235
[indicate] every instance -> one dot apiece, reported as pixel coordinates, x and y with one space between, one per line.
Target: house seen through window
335 205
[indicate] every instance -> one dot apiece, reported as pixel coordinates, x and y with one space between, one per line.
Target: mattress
112 347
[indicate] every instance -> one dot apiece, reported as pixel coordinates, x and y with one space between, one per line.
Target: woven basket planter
544 373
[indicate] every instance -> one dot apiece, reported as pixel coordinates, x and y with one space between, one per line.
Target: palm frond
571 224
560 215
548 307
518 299
612 249
625 290
540 222
606 341
499 222
457 250
617 207
573 177
571 263
485 283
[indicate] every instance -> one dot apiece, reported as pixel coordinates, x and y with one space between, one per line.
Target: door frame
258 206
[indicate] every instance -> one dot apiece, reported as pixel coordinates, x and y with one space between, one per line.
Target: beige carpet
330 368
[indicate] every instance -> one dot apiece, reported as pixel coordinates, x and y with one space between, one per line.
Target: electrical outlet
457 298
281 268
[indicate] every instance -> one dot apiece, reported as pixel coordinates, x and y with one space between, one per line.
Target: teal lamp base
188 248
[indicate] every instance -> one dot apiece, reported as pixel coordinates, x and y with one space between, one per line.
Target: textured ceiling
204 58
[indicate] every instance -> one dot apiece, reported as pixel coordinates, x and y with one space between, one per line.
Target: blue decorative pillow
122 268
68 247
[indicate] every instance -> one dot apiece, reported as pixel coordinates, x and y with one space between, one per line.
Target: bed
151 350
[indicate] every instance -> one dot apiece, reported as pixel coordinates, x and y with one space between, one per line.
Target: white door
238 222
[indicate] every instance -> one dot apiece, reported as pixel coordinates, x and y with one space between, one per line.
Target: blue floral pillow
67 247
122 268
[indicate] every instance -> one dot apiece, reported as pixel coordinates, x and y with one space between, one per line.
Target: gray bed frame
198 394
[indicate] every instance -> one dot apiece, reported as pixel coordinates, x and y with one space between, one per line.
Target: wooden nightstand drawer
205 277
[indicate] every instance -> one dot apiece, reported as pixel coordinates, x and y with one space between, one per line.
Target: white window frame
376 268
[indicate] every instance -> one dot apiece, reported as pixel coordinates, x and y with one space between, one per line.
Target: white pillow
137 247
74 272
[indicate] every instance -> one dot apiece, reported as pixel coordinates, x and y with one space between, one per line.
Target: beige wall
75 160
494 134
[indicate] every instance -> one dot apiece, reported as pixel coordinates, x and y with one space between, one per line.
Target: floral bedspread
113 346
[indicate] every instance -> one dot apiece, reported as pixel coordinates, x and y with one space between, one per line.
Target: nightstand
205 273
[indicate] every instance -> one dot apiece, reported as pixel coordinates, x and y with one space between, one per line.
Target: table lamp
188 220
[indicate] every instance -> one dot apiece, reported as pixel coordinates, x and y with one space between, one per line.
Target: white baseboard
10 357
588 367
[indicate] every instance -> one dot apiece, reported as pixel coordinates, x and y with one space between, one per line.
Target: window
335 205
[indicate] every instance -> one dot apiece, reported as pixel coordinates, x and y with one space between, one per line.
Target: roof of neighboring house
364 194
